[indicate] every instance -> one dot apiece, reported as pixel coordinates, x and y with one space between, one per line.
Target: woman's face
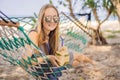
50 19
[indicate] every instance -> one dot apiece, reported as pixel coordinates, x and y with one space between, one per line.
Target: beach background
106 56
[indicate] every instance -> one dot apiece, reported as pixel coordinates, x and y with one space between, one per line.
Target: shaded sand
107 67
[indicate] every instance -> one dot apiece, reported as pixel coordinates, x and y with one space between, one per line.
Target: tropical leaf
50 1
64 4
91 4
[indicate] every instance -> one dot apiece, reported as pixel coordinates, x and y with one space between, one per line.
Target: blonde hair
54 36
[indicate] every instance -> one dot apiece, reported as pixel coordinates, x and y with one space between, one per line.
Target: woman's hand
53 60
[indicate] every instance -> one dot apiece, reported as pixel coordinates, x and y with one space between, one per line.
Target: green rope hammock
14 43
13 46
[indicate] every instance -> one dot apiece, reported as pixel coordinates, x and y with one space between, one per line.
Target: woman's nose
52 20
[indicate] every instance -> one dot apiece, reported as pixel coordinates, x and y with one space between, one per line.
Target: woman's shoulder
33 35
33 31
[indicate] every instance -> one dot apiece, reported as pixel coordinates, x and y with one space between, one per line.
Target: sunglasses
48 19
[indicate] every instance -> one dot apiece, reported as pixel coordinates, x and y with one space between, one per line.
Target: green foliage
91 4
50 1
109 6
106 3
64 4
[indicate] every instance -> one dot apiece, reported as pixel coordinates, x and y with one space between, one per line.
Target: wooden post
9 24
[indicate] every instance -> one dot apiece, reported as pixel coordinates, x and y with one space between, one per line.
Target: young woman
46 35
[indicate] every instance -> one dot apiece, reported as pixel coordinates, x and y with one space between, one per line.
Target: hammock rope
15 43
9 50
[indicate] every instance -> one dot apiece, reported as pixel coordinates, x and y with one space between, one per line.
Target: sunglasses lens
56 19
47 19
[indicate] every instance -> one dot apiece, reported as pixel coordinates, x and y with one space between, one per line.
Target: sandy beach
107 67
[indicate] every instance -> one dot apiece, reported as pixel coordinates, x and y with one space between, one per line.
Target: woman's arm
29 52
